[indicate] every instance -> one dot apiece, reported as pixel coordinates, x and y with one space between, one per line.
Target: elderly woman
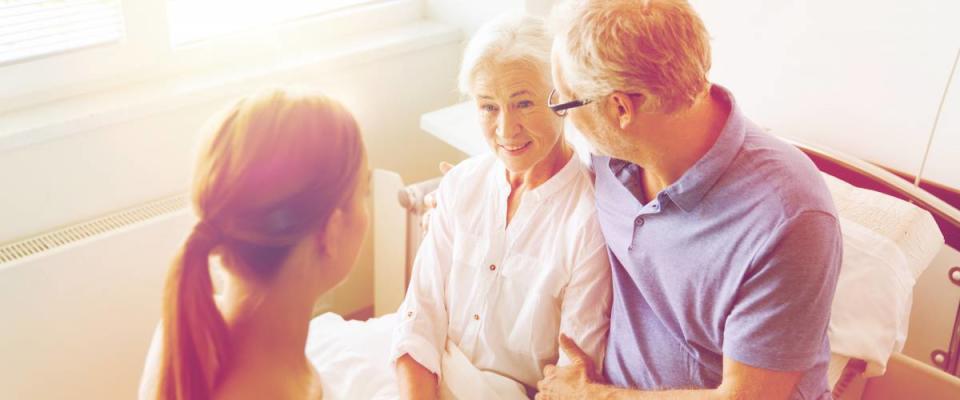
514 257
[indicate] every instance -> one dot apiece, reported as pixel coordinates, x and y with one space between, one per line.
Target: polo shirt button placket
637 223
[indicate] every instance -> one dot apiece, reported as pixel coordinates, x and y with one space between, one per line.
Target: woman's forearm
415 381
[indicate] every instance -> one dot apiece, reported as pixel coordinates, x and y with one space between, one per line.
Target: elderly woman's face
518 126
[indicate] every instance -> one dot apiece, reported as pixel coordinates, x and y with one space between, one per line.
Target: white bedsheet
352 358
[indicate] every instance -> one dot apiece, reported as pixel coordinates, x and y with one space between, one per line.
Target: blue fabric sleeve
782 309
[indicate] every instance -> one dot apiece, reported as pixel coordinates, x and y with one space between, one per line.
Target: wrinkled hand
430 199
568 382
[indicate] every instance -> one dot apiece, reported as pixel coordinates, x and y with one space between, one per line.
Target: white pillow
887 244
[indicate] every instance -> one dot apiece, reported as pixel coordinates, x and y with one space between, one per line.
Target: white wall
82 175
861 76
469 14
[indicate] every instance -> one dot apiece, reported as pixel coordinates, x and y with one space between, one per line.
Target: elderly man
723 240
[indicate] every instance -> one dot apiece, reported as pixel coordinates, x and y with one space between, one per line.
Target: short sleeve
781 312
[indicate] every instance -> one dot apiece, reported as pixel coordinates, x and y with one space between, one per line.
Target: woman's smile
515 149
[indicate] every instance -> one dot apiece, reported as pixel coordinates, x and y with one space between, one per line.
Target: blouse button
493 267
476 317
410 314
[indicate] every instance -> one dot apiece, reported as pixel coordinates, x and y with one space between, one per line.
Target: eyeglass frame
562 108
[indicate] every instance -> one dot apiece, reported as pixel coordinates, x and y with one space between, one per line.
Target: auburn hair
275 166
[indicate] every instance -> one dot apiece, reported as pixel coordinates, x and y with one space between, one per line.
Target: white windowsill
457 126
37 124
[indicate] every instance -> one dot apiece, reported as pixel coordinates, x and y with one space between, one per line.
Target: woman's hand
415 381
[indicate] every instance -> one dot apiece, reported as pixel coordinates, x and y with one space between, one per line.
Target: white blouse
503 294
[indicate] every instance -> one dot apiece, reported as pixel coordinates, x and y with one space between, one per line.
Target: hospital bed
864 194
904 378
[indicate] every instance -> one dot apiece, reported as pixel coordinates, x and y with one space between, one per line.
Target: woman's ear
623 108
326 240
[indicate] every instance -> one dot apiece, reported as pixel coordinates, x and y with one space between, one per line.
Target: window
34 28
55 49
194 20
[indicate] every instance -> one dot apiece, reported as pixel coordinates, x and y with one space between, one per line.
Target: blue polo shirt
738 258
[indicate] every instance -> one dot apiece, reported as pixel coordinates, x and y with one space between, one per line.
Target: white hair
657 48
505 39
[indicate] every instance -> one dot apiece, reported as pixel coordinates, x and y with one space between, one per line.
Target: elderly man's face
601 135
511 101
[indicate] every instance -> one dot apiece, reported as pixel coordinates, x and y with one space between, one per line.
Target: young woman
279 191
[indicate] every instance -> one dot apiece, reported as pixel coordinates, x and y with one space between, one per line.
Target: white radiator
78 306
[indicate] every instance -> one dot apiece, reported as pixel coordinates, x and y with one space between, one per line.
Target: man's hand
573 381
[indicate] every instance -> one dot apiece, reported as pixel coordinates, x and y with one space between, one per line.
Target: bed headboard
863 174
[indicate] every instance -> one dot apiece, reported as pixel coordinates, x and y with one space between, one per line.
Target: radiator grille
89 229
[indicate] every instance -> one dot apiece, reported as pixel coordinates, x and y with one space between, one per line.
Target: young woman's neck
268 322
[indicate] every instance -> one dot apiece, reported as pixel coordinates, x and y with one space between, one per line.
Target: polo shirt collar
689 190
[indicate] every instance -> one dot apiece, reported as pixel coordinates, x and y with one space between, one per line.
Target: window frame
146 52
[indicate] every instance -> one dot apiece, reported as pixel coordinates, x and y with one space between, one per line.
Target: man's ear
622 108
326 240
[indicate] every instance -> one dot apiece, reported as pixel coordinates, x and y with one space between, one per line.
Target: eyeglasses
561 109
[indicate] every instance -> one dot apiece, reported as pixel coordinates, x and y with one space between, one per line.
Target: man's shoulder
779 176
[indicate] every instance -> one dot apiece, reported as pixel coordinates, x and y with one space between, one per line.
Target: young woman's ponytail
195 332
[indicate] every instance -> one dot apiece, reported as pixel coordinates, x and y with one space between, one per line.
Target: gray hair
657 48
507 38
